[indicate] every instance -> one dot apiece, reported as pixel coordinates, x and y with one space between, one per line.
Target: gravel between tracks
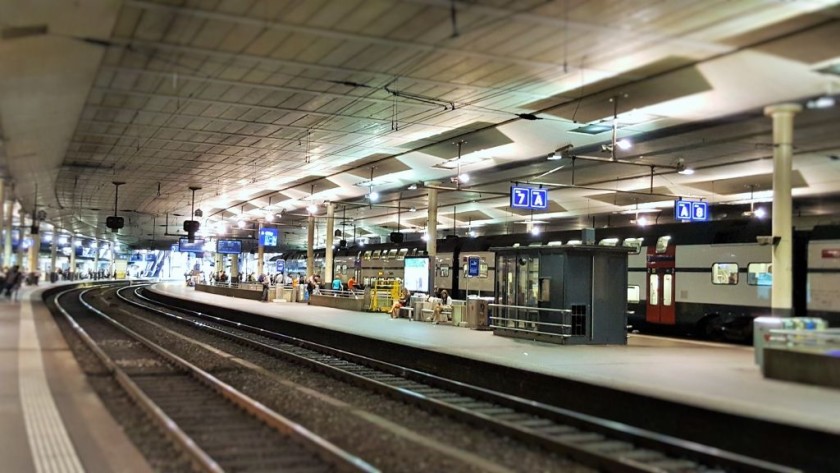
146 436
434 443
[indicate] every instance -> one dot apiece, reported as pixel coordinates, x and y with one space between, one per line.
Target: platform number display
281 266
528 198
689 211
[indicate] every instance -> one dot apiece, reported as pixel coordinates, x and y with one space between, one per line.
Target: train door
661 263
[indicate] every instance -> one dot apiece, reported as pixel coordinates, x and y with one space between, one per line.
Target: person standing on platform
351 283
266 283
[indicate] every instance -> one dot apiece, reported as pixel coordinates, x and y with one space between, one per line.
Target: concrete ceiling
270 105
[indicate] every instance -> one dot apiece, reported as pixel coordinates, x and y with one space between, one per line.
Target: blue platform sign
528 198
688 211
700 211
269 236
520 197
473 265
281 266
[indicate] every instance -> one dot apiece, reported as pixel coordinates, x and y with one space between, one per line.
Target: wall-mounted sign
473 266
281 266
269 236
528 198
689 211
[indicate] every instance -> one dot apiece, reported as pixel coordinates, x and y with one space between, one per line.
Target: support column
34 249
431 244
260 253
21 235
3 212
310 250
53 250
95 258
220 264
234 267
7 229
328 276
113 265
781 296
73 257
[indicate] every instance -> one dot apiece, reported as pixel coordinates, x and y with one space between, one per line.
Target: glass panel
653 297
402 253
633 294
662 244
667 285
608 242
725 273
367 255
375 254
482 268
760 274
392 254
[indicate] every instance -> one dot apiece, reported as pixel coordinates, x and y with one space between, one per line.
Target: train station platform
718 377
51 420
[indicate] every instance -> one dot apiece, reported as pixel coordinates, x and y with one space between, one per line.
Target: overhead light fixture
535 230
624 144
760 213
62 240
464 178
642 221
825 101
412 187
78 243
312 208
412 209
425 237
686 171
471 233
240 224
269 217
373 196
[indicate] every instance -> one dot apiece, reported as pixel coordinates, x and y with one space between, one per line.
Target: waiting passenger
405 296
351 283
445 305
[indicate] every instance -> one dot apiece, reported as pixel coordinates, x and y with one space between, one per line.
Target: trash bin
477 311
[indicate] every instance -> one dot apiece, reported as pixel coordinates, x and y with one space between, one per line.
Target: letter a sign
688 211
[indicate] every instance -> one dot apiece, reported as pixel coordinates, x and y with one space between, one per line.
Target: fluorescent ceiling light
624 144
686 172
464 178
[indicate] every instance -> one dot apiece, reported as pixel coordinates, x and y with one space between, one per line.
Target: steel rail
604 444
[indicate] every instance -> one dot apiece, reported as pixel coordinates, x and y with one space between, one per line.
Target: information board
196 246
281 266
417 274
691 211
473 266
269 237
229 247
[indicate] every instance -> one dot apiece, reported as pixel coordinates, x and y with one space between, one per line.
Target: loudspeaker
397 237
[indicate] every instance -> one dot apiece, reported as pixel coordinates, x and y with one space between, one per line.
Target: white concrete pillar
781 296
260 253
234 267
95 256
310 243
73 256
21 235
431 244
113 265
328 276
53 250
34 249
7 228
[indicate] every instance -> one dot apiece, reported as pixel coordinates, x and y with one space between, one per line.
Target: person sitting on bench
445 305
399 303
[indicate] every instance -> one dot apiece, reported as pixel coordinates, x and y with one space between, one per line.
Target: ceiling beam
464 109
339 35
381 78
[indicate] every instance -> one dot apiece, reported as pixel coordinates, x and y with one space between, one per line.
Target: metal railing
340 293
543 321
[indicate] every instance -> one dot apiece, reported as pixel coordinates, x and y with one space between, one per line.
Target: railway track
598 443
191 405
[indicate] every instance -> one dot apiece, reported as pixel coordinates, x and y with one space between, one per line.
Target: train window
367 255
375 254
482 268
402 253
444 271
574 242
392 254
725 273
653 297
635 243
555 243
760 274
633 294
608 242
667 285
662 244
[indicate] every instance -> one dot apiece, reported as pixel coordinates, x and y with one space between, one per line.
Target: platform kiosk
561 294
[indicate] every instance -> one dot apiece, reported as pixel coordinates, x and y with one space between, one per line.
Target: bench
408 311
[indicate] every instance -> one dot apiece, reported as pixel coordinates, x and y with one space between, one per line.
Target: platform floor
710 375
50 418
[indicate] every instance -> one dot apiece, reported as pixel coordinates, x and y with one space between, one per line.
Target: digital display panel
184 245
269 237
229 247
417 274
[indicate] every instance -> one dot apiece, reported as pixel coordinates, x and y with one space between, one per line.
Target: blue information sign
473 264
689 211
281 266
269 236
528 198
